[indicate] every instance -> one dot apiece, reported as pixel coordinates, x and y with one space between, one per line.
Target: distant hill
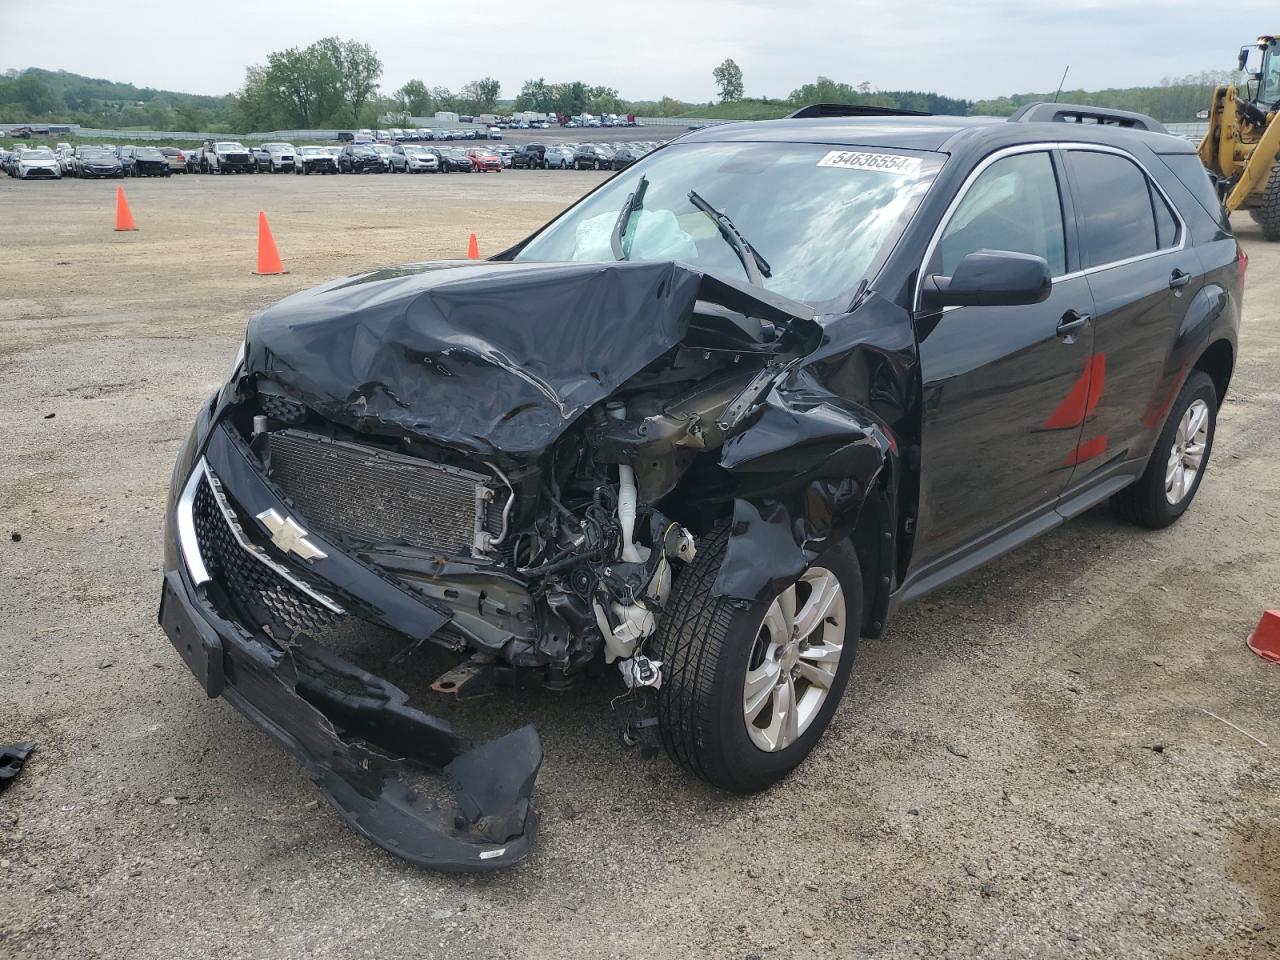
37 94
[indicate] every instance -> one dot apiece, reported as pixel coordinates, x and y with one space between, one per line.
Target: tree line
336 83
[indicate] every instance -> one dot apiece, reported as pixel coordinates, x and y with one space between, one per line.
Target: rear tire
1268 213
1150 501
707 645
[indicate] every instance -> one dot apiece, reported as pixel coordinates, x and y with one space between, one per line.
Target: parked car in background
315 159
226 156
495 133
412 158
261 159
38 163
360 158
505 151
453 160
592 156
529 156
280 157
150 162
125 153
559 156
484 160
623 157
384 154
93 163
66 159
176 158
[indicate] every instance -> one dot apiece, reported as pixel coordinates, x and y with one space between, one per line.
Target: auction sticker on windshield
882 162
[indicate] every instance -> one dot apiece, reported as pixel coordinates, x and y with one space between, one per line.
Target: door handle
1179 279
1072 321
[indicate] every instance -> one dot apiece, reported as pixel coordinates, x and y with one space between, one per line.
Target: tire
707 644
1268 214
1147 501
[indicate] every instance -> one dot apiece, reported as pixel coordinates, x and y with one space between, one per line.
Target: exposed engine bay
552 561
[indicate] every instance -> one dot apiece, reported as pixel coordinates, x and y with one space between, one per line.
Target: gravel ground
1058 757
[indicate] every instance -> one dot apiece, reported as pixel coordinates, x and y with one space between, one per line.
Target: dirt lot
1058 757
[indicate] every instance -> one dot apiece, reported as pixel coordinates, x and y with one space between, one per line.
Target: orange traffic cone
124 216
268 256
1265 639
473 248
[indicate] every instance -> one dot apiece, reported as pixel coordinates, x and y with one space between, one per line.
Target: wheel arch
1218 361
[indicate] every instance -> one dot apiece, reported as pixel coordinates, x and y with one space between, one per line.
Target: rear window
1192 174
1114 208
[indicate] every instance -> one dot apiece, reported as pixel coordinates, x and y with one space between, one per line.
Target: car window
1013 205
1166 222
1114 208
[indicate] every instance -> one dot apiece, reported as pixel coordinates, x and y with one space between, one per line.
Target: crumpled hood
490 357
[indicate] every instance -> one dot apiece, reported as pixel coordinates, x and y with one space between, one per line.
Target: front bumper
354 733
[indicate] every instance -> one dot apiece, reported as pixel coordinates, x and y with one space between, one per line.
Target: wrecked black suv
707 428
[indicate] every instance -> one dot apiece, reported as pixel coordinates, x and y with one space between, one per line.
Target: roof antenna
1060 83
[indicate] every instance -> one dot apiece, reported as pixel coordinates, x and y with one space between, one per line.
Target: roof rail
818 110
1076 113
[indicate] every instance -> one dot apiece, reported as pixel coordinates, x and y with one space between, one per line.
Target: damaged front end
511 461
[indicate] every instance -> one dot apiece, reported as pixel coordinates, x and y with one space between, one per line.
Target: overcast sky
963 48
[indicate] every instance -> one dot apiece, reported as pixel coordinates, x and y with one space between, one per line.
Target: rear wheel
1173 474
747 690
1268 213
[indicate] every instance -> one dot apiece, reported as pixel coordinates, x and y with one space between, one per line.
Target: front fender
802 464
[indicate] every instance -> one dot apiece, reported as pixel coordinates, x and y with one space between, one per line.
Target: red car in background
483 160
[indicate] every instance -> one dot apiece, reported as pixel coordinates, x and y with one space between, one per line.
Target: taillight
1242 260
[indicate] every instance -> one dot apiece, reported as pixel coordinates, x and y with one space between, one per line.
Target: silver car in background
38 164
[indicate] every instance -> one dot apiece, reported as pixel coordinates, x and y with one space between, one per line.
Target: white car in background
414 159
38 164
66 155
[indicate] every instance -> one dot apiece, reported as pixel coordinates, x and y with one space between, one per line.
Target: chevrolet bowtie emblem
289 537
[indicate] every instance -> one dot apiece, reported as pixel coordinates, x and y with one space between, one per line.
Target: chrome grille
376 497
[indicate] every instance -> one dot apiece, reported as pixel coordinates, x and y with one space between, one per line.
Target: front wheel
1169 484
747 690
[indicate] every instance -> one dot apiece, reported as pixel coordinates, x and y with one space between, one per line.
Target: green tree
482 94
358 68
415 98
536 95
728 77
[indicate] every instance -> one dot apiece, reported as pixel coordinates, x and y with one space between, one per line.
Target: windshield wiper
757 267
634 199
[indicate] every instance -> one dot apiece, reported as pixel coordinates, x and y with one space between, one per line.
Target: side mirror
991 278
1243 58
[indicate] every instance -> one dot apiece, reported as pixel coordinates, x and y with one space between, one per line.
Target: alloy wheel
794 660
1187 455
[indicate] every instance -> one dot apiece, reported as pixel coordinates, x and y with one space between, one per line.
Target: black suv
360 158
531 156
706 429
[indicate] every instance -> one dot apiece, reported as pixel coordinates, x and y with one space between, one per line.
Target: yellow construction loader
1242 146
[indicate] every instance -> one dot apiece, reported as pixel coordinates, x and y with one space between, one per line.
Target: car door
1143 273
1003 386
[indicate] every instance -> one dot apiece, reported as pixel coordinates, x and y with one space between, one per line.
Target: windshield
96 155
148 153
822 218
312 151
39 153
224 147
